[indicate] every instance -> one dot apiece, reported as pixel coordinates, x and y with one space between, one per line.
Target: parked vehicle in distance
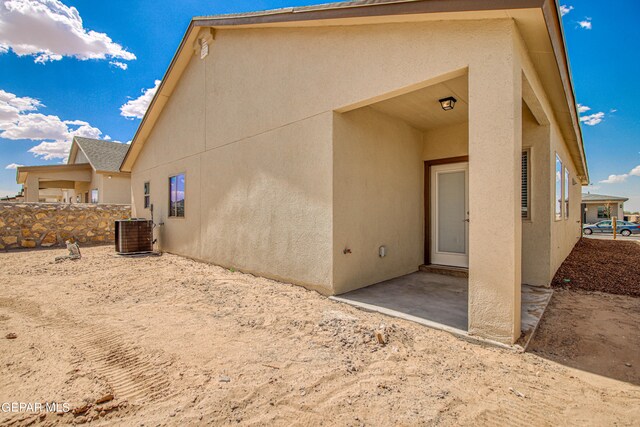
623 227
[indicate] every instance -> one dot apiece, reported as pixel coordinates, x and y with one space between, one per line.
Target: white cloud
107 137
583 108
135 108
49 30
590 188
592 119
613 111
13 166
615 179
119 64
19 122
564 9
11 106
585 24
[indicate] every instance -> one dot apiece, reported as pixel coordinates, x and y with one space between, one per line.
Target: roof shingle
602 198
102 155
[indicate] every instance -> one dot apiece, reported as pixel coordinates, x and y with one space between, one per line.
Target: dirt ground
602 265
179 342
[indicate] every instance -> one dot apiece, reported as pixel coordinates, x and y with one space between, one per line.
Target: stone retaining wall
31 225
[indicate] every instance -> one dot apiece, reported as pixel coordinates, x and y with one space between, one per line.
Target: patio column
495 229
32 189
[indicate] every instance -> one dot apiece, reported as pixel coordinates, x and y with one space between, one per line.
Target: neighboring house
598 207
91 175
632 217
295 144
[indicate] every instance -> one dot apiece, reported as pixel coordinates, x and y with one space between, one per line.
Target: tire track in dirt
133 374
520 412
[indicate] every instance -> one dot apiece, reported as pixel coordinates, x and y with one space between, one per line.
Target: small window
147 195
526 209
176 196
566 193
94 195
558 177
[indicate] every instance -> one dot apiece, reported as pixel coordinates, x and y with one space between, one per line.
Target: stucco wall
31 225
116 189
566 232
261 104
261 204
251 127
378 176
445 142
536 230
563 234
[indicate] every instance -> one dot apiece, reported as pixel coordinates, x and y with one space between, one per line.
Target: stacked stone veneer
32 225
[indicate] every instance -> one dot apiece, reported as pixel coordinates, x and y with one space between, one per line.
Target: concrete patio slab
441 302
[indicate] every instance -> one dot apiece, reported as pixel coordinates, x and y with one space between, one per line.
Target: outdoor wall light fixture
448 103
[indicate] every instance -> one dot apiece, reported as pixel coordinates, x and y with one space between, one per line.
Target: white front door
450 214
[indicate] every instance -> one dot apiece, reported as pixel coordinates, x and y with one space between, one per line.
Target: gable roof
376 11
602 198
103 156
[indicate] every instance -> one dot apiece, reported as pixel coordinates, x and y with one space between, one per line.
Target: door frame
427 199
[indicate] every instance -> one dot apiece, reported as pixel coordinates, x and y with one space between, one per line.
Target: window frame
526 216
146 194
174 215
558 204
565 193
92 192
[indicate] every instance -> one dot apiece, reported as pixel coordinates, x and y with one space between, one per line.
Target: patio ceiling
421 108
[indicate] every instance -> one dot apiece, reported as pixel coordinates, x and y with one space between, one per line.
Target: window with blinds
526 209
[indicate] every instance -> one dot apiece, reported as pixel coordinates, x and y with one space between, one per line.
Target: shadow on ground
593 332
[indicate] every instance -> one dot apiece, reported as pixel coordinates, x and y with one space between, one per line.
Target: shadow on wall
593 332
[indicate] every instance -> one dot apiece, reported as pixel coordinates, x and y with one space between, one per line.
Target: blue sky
61 74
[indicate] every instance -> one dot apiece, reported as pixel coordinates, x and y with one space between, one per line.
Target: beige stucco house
316 145
598 207
90 175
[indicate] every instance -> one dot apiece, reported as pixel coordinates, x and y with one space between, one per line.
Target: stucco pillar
495 229
32 189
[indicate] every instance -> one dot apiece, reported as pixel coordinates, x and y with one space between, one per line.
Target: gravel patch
604 266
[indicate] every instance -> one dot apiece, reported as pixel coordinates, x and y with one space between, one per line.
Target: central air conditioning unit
134 236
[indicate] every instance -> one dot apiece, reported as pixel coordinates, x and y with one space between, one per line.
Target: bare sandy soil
179 342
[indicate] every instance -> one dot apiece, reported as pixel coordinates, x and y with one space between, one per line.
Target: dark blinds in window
525 184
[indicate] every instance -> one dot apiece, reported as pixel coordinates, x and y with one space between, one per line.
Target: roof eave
562 61
23 171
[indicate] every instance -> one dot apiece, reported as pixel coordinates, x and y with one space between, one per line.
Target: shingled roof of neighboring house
102 155
602 198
